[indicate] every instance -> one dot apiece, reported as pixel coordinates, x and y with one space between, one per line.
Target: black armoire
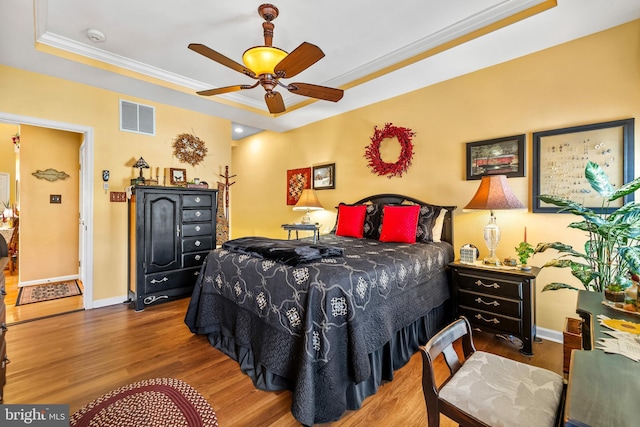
171 231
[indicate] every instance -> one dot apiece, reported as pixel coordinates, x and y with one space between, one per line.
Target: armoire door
162 232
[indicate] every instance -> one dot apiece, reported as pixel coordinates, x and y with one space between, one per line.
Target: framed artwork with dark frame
177 176
561 155
499 156
324 176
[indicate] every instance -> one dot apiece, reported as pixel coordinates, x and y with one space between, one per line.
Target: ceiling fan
268 64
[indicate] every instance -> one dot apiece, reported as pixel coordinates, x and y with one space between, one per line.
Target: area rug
158 402
47 291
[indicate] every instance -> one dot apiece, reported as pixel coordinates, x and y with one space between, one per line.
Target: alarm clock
469 254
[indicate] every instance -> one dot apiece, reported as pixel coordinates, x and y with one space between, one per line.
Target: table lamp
494 193
308 201
141 164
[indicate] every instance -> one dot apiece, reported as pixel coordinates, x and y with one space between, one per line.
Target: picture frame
297 180
177 176
324 176
561 155
498 156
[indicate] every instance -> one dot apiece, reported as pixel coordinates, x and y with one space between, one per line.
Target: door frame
85 198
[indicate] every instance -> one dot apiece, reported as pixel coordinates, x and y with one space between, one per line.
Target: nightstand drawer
489 284
490 303
492 320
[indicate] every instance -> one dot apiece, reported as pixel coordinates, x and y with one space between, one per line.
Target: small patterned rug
159 402
48 291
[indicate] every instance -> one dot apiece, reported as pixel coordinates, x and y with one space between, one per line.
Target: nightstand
497 299
303 227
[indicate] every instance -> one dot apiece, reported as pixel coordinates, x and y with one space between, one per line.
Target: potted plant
612 250
524 251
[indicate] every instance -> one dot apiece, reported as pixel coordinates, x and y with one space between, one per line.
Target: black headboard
447 228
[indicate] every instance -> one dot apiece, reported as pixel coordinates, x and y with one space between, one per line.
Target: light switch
55 198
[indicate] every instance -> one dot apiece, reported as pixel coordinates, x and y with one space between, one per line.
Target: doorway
85 251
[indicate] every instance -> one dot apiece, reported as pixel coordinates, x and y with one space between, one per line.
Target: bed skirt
384 361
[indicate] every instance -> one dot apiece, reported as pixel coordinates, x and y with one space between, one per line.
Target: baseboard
109 301
48 280
549 334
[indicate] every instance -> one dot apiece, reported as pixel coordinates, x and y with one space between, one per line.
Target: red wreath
372 152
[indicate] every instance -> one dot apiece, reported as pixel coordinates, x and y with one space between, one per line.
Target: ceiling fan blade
274 102
315 91
299 60
226 89
220 58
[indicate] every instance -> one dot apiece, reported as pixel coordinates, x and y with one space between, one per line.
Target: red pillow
399 223
351 221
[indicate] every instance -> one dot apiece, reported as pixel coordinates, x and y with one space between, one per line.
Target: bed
329 321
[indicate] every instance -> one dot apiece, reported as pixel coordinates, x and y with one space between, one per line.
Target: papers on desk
623 343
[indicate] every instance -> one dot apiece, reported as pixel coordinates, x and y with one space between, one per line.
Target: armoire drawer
197 200
196 215
194 259
197 229
171 279
196 244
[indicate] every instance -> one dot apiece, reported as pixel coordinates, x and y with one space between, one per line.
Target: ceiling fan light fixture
263 59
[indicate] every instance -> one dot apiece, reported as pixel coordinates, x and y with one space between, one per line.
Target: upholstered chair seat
485 389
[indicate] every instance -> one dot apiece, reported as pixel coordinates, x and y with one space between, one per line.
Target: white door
81 214
5 187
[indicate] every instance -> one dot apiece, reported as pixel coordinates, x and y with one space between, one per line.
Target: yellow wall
40 96
590 80
8 156
48 231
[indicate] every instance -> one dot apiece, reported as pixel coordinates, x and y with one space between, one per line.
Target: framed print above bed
499 156
561 155
297 180
324 177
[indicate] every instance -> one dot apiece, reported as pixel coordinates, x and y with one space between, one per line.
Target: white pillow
437 226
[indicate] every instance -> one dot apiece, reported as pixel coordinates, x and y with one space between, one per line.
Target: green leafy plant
612 252
524 251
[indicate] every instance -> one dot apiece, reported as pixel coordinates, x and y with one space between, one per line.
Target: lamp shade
141 164
308 201
494 193
263 59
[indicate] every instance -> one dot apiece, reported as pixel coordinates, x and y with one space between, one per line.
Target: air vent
137 118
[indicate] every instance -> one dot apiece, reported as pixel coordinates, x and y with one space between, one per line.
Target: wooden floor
76 357
38 310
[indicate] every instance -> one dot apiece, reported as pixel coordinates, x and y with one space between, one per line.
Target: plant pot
614 296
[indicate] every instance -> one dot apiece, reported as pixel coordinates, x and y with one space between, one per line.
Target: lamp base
492 261
306 219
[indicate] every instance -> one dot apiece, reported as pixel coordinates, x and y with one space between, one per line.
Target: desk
303 227
603 388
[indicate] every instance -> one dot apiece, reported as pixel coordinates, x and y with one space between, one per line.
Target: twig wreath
189 149
372 151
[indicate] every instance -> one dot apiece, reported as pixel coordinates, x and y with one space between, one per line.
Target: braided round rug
159 402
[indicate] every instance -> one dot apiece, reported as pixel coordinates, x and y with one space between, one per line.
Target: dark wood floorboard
76 357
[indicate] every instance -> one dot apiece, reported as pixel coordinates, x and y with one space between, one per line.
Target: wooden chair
12 245
485 389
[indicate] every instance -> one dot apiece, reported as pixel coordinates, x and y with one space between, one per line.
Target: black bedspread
316 324
291 252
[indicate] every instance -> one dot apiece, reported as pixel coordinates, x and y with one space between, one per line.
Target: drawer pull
493 303
5 361
197 257
164 279
196 273
494 320
197 228
198 214
481 283
197 243
198 199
